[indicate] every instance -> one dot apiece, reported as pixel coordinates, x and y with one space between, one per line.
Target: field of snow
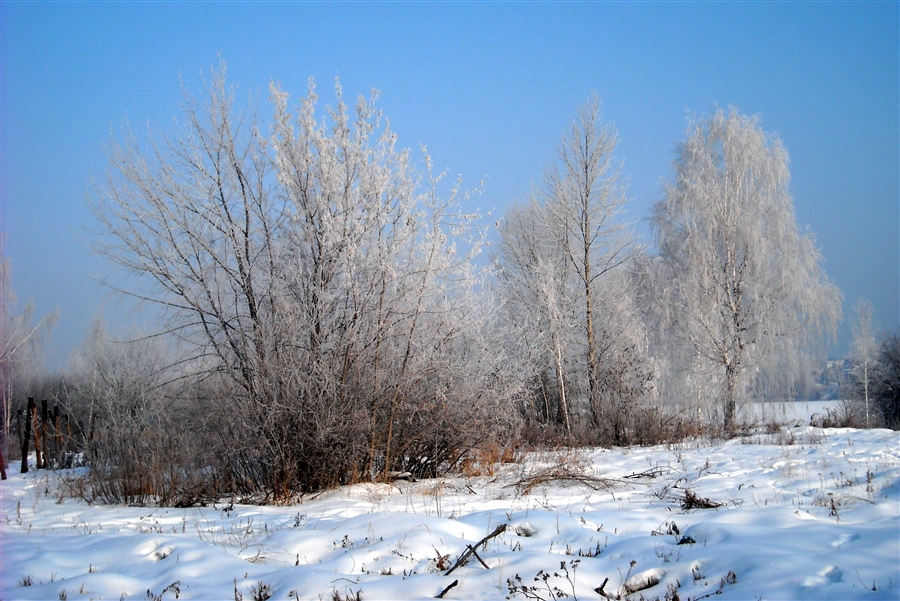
802 514
796 413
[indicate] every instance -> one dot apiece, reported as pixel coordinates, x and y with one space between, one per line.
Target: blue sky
488 87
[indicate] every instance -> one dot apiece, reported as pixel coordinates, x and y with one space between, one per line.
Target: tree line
325 317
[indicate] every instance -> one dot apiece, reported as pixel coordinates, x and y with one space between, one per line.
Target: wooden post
29 411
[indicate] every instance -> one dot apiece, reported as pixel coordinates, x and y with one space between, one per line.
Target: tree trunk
44 444
563 412
19 430
589 323
36 429
731 378
866 387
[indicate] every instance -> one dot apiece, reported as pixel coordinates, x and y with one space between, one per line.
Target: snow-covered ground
802 514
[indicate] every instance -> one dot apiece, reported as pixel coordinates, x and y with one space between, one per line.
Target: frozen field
803 514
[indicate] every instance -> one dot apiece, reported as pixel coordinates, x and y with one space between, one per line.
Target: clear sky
488 87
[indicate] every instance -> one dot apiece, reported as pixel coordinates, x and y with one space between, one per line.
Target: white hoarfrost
801 514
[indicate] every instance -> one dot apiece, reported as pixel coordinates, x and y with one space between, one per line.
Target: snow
798 413
804 513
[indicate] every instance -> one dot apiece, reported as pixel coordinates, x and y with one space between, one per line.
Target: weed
595 552
63 595
667 528
833 510
864 585
174 588
350 596
729 578
26 580
666 554
544 590
672 591
261 591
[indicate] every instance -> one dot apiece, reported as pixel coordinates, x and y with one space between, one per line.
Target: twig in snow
471 549
449 586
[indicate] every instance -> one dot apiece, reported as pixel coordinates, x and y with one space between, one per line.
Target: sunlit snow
804 513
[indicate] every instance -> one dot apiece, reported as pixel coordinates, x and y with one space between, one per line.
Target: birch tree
582 195
865 352
745 288
562 262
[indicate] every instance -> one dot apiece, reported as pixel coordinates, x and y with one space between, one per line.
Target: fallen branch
470 550
449 586
651 473
526 484
481 561
599 589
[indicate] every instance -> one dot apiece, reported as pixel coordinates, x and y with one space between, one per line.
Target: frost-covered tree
535 284
315 275
865 352
562 266
583 197
743 287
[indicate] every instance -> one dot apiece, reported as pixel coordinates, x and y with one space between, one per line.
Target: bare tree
583 196
315 275
382 295
196 215
563 258
137 432
535 282
865 352
745 289
21 341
